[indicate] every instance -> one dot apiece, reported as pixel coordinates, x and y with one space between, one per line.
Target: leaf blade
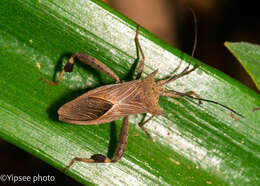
188 134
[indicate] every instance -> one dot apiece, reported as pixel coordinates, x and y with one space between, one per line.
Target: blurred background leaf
248 55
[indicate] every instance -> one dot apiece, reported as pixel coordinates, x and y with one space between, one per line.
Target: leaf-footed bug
120 100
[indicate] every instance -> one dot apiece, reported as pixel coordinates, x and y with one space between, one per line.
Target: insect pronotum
120 100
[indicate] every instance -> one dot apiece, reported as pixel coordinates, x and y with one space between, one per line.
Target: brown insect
120 100
255 109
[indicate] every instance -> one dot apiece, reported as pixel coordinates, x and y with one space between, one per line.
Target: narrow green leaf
249 56
194 144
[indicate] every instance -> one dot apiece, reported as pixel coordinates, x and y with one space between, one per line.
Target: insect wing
104 104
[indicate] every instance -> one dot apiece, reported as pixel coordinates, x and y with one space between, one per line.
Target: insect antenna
186 69
195 38
207 100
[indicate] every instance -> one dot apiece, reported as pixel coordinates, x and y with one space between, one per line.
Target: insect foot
96 158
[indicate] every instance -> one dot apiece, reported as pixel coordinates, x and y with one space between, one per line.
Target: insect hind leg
120 149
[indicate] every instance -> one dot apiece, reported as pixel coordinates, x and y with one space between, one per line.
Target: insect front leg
183 73
170 94
89 60
141 62
141 125
139 73
175 94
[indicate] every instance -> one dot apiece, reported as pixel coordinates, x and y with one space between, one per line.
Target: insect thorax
151 94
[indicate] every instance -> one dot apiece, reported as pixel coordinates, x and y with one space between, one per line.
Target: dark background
218 21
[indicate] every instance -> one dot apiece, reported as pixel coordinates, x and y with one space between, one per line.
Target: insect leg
175 94
256 108
141 125
183 73
96 158
89 60
141 62
120 149
121 144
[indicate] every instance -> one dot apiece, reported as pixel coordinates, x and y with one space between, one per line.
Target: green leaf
193 144
249 56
